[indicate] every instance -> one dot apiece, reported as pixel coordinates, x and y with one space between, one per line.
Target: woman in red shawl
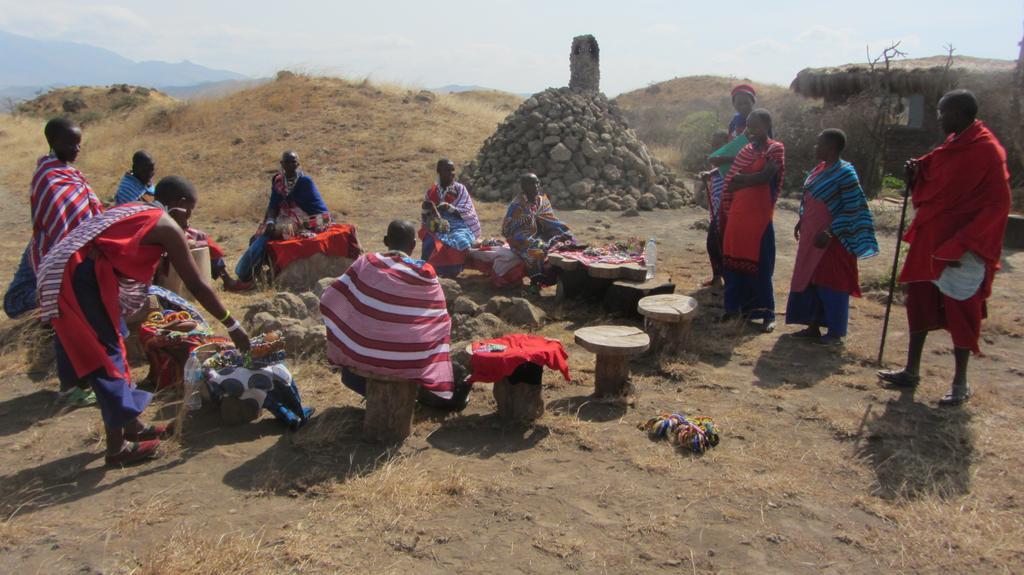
745 217
961 196
98 274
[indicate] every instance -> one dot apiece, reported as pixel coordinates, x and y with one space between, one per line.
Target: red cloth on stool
337 240
520 348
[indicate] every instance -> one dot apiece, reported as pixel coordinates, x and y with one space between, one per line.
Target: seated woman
531 228
387 315
95 277
295 206
450 225
748 236
834 231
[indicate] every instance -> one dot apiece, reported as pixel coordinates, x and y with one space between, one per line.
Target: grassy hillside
677 117
363 144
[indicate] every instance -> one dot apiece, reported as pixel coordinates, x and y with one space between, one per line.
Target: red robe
962 200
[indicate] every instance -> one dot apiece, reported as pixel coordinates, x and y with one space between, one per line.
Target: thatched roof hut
925 76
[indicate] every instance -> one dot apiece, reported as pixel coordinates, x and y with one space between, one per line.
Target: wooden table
624 295
390 403
579 279
613 345
667 319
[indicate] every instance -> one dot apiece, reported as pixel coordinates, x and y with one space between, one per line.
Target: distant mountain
209 89
457 88
31 64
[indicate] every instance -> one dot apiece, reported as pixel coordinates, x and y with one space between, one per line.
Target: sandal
79 397
829 341
899 378
767 326
957 397
807 333
151 432
133 453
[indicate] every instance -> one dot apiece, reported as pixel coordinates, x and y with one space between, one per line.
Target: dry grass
189 551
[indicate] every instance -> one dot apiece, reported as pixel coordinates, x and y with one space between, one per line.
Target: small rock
451 288
287 304
263 322
466 306
630 213
522 312
322 285
425 96
560 153
312 303
647 202
497 305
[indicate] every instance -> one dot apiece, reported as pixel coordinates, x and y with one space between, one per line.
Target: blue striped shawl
839 189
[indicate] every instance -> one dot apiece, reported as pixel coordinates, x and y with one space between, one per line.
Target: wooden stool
667 320
613 345
624 295
389 407
520 401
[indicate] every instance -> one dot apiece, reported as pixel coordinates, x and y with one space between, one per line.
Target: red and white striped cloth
386 315
61 200
51 270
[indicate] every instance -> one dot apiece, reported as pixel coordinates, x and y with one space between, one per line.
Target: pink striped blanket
386 315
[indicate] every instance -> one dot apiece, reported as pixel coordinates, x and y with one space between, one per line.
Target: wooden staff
895 267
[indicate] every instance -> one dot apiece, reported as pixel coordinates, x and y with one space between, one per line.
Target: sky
522 46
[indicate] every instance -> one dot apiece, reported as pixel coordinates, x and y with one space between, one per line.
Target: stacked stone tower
578 143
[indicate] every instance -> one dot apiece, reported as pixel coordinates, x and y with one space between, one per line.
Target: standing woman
97 275
748 236
834 231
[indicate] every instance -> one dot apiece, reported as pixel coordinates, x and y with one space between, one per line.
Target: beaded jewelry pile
176 325
698 434
265 349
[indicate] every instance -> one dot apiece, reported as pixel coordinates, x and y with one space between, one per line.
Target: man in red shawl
961 197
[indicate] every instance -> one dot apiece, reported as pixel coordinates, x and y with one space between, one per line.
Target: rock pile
298 318
585 154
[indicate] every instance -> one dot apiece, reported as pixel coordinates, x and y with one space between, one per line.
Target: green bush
694 136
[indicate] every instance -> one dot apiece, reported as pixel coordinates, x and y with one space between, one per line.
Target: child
714 184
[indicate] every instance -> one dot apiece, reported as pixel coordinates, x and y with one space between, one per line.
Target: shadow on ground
484 436
918 450
328 448
796 362
586 408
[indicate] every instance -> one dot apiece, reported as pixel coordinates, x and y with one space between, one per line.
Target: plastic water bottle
191 380
651 258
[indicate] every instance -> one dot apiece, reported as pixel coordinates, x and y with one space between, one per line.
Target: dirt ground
820 470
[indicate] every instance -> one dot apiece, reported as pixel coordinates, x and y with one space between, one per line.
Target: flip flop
151 432
133 453
956 398
899 378
79 397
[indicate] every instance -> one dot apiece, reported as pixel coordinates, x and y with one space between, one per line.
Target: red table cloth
336 240
492 366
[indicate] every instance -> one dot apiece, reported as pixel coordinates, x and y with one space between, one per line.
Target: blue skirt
752 295
820 306
119 401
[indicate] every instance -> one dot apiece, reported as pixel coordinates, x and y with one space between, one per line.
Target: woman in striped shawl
94 277
834 231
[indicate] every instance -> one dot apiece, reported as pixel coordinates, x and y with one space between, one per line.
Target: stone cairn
579 144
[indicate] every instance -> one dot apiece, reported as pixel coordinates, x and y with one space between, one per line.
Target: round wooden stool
390 403
667 320
613 345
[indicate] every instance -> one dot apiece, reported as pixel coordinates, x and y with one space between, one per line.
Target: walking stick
895 267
